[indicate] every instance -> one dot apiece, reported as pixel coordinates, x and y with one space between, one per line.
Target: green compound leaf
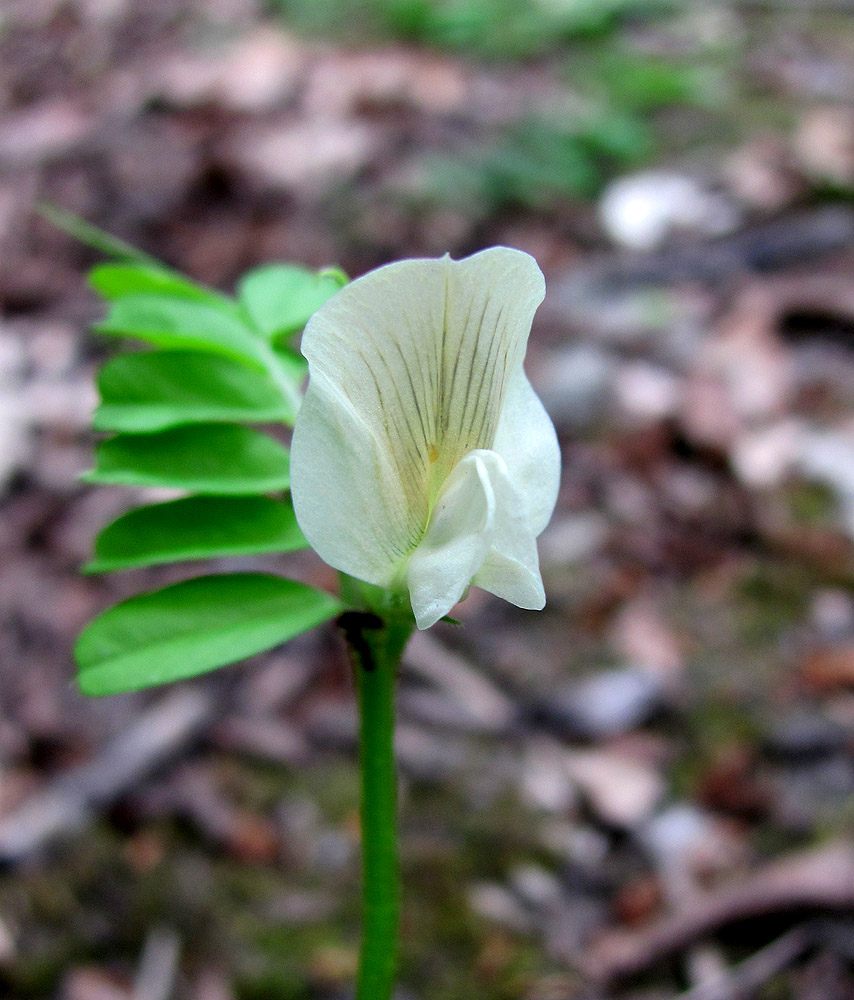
155 390
215 459
280 298
185 325
197 528
117 281
193 627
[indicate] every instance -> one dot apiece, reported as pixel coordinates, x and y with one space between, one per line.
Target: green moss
708 729
770 597
272 984
811 503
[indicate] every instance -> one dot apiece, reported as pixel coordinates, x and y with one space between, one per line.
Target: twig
771 246
158 966
192 793
68 802
8 951
741 981
821 879
267 739
488 708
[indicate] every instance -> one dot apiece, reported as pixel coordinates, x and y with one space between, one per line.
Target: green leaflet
155 390
215 459
185 325
280 298
193 627
117 281
197 528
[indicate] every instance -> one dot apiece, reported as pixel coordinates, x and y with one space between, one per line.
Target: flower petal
511 567
455 544
346 496
477 534
527 442
413 362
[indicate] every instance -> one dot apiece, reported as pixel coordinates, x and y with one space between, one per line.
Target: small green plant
636 83
483 29
422 462
537 162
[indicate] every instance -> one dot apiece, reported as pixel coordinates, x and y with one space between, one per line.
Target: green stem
376 646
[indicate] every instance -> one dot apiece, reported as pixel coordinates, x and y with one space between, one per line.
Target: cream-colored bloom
422 458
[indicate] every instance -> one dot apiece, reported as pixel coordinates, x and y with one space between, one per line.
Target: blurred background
646 791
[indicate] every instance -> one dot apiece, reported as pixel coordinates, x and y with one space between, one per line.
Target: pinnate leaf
280 298
158 389
215 459
193 627
197 528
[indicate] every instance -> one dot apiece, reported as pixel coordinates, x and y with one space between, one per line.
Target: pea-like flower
422 459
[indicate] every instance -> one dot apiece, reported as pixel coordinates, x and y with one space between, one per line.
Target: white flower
422 458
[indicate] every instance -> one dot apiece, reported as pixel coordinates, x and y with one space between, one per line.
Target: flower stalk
376 645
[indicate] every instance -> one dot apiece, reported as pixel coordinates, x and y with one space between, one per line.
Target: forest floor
646 792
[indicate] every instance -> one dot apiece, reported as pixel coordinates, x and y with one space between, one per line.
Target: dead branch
68 802
822 879
744 979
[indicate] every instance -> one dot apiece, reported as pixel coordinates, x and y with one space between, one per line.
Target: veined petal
477 534
490 302
409 369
